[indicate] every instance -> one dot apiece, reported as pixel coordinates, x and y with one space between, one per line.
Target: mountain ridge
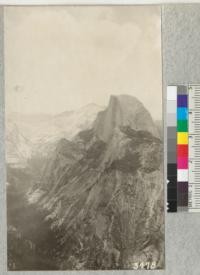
123 110
43 131
107 196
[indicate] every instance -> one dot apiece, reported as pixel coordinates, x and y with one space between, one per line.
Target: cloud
65 57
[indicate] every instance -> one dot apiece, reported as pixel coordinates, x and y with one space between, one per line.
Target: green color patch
182 126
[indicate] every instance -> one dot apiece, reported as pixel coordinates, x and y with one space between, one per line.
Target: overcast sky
62 58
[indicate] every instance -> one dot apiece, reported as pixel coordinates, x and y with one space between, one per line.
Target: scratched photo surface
84 140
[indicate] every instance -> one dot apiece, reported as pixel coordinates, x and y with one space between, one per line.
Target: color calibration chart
183 148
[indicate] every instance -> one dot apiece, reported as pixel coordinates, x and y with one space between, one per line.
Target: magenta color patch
182 163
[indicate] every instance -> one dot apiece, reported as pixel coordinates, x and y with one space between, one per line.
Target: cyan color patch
182 113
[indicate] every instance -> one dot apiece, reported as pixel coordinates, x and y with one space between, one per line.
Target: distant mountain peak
123 110
92 105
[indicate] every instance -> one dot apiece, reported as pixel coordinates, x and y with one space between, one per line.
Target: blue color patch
182 113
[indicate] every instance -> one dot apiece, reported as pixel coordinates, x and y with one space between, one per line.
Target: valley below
31 242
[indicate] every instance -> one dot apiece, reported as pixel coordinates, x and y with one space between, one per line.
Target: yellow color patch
182 138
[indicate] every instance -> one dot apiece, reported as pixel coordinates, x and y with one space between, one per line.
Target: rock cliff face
123 110
18 147
104 191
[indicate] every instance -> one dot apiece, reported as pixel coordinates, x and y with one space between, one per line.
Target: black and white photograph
84 138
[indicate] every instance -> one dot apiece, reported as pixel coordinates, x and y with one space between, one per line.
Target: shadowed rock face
103 192
123 110
109 199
